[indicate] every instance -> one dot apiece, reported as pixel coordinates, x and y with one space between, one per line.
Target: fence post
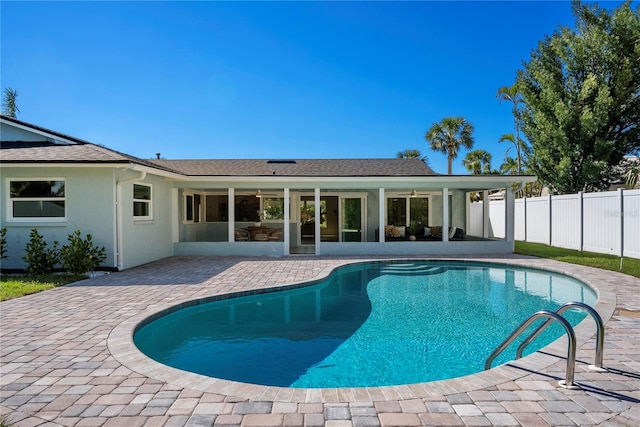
621 224
550 219
581 219
524 208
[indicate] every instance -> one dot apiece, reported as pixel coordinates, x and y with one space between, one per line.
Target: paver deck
67 359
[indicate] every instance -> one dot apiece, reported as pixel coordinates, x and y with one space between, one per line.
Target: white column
318 216
621 221
486 213
381 219
445 214
287 220
509 217
231 197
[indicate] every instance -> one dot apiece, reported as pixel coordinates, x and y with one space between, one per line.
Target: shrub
39 257
3 243
81 256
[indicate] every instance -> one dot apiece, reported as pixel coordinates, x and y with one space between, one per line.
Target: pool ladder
571 350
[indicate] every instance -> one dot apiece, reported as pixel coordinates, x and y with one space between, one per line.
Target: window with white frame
37 199
142 201
406 210
193 204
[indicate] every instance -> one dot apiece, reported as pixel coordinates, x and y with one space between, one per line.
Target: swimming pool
369 324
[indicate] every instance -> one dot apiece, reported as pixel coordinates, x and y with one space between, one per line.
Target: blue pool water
370 324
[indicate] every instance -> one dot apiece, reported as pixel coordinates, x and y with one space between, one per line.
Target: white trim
201 208
57 139
149 202
35 219
400 183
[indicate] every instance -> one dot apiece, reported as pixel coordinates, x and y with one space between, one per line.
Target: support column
381 219
231 197
318 217
445 214
509 217
486 214
287 221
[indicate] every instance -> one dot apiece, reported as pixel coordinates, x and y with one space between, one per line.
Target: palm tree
478 162
448 135
511 94
509 167
412 153
9 106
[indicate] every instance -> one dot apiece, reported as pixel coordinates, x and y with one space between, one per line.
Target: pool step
411 270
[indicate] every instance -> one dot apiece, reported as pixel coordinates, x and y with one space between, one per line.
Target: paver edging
121 346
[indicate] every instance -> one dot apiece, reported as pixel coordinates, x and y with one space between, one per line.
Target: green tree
509 167
513 95
582 99
478 162
9 106
448 136
412 153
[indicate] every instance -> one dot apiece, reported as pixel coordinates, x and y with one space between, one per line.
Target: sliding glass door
351 219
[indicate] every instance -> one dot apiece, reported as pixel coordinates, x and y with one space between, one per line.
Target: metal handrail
571 350
574 304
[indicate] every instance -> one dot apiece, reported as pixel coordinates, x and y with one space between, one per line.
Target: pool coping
122 348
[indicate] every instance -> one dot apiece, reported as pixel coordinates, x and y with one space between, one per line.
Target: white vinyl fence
606 222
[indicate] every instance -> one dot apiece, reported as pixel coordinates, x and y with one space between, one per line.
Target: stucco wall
144 241
89 208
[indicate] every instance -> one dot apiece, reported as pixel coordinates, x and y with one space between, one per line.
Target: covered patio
363 215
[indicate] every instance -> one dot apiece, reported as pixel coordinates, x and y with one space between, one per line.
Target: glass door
351 216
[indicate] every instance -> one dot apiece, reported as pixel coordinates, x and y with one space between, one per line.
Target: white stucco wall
144 241
89 208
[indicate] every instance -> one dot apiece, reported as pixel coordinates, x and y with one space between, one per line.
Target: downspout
119 220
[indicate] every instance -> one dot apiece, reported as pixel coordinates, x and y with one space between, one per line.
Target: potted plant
411 230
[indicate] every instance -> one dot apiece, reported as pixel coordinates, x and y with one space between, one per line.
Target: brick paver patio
67 359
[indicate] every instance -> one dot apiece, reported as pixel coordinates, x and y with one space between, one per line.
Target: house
144 210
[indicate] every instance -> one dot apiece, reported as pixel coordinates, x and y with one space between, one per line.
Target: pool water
371 324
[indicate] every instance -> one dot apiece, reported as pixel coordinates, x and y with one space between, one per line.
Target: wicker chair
241 235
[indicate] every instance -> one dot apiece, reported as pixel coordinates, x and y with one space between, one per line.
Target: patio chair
276 234
241 235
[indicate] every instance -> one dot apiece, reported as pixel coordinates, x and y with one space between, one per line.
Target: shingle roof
46 151
300 167
78 151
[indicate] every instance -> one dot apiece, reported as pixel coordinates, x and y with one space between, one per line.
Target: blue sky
270 79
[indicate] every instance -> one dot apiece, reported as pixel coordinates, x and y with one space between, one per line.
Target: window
247 209
37 199
193 207
273 208
419 210
404 211
397 211
216 208
142 201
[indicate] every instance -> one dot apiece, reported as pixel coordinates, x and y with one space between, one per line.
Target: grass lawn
13 286
630 266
